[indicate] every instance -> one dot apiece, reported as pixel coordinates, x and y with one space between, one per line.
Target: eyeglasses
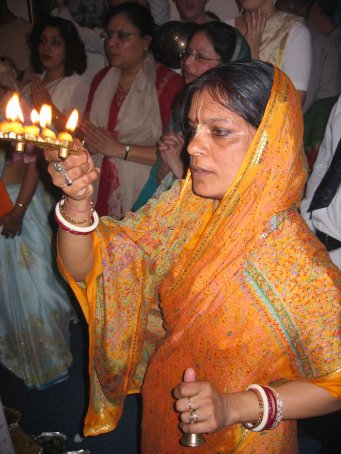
120 35
184 54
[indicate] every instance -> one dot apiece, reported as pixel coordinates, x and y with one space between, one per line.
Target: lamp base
192 440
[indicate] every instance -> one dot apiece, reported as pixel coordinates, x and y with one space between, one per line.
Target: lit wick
45 120
32 131
65 137
13 127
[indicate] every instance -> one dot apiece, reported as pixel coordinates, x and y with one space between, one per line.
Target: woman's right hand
255 22
170 147
78 168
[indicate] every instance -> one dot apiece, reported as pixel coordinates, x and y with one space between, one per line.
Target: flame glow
34 117
13 109
72 121
45 115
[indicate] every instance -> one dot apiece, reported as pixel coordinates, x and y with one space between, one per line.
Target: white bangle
264 406
72 228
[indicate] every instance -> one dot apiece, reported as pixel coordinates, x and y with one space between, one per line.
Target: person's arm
13 221
215 410
104 142
91 37
297 58
76 251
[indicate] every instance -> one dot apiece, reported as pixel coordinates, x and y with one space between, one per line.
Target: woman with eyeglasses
211 44
128 108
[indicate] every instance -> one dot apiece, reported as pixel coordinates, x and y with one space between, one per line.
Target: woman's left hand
12 222
40 94
99 140
207 406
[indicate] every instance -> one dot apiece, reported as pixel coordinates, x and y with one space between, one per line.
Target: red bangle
272 408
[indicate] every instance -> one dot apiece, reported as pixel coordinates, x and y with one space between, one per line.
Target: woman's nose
196 146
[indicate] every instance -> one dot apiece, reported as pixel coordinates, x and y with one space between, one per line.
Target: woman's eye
190 132
220 132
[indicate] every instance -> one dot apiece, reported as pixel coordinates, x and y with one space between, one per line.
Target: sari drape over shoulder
246 292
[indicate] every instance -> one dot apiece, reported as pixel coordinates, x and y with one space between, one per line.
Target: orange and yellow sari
246 292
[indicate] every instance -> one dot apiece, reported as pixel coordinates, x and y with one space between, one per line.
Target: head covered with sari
238 280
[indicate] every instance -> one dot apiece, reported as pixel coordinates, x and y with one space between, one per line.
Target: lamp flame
45 115
13 109
34 116
72 121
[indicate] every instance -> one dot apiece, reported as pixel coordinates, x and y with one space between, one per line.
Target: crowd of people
198 223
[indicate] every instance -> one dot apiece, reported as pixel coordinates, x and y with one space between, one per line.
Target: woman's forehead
206 108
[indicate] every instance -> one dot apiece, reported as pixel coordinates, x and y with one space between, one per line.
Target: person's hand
40 94
12 222
170 147
75 174
208 406
255 22
98 139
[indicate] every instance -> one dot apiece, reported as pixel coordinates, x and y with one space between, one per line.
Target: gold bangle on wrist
21 205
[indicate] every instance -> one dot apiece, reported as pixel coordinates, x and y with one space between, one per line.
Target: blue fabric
34 304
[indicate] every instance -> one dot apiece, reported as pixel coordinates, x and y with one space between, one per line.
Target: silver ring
68 180
193 417
59 168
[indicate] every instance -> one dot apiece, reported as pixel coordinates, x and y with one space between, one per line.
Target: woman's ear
147 41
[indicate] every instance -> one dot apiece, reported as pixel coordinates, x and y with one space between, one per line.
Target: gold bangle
70 218
21 205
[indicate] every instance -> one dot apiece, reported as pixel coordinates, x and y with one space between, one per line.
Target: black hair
242 87
328 7
223 38
75 56
137 14
212 15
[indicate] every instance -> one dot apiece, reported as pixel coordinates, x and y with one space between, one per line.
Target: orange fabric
247 294
6 204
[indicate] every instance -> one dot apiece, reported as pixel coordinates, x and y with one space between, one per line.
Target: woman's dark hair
137 14
242 87
75 56
224 40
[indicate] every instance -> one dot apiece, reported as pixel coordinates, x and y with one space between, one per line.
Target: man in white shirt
326 221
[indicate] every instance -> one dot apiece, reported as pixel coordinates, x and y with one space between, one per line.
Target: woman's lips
199 171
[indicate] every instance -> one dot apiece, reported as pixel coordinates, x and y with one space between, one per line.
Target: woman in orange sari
215 298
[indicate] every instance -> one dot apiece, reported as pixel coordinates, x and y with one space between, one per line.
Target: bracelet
126 149
69 218
71 228
21 205
272 408
259 425
278 408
